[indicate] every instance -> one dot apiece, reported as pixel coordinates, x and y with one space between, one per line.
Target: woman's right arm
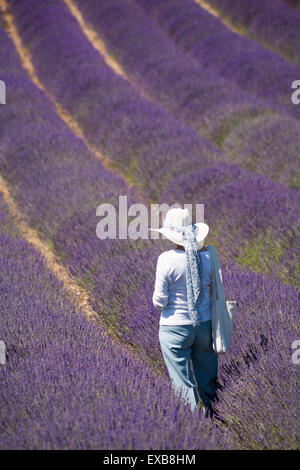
161 294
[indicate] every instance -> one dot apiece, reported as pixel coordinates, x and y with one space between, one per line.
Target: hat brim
177 238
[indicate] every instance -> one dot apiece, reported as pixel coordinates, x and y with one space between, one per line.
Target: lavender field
164 102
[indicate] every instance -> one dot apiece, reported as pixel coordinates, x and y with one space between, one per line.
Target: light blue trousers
191 361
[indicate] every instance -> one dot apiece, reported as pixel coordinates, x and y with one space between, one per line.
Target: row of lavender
242 123
58 385
155 149
128 303
273 24
237 58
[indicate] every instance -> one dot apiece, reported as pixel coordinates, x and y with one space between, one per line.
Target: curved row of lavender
156 153
273 24
65 384
66 219
217 108
213 45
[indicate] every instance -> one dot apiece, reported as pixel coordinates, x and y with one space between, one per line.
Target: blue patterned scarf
194 270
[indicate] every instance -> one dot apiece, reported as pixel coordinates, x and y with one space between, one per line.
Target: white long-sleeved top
170 292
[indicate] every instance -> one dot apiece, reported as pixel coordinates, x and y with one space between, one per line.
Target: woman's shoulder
165 255
166 260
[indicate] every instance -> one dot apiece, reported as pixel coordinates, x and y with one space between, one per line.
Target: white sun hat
178 218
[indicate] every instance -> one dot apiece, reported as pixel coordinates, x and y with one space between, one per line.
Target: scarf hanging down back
194 270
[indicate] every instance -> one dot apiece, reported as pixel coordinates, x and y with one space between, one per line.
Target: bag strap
213 268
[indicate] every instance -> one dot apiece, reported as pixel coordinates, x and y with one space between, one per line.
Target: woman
182 291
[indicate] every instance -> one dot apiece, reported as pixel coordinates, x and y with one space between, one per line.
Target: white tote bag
222 311
222 324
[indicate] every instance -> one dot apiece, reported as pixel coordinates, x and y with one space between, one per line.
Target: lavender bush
259 403
190 91
237 58
272 23
267 144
